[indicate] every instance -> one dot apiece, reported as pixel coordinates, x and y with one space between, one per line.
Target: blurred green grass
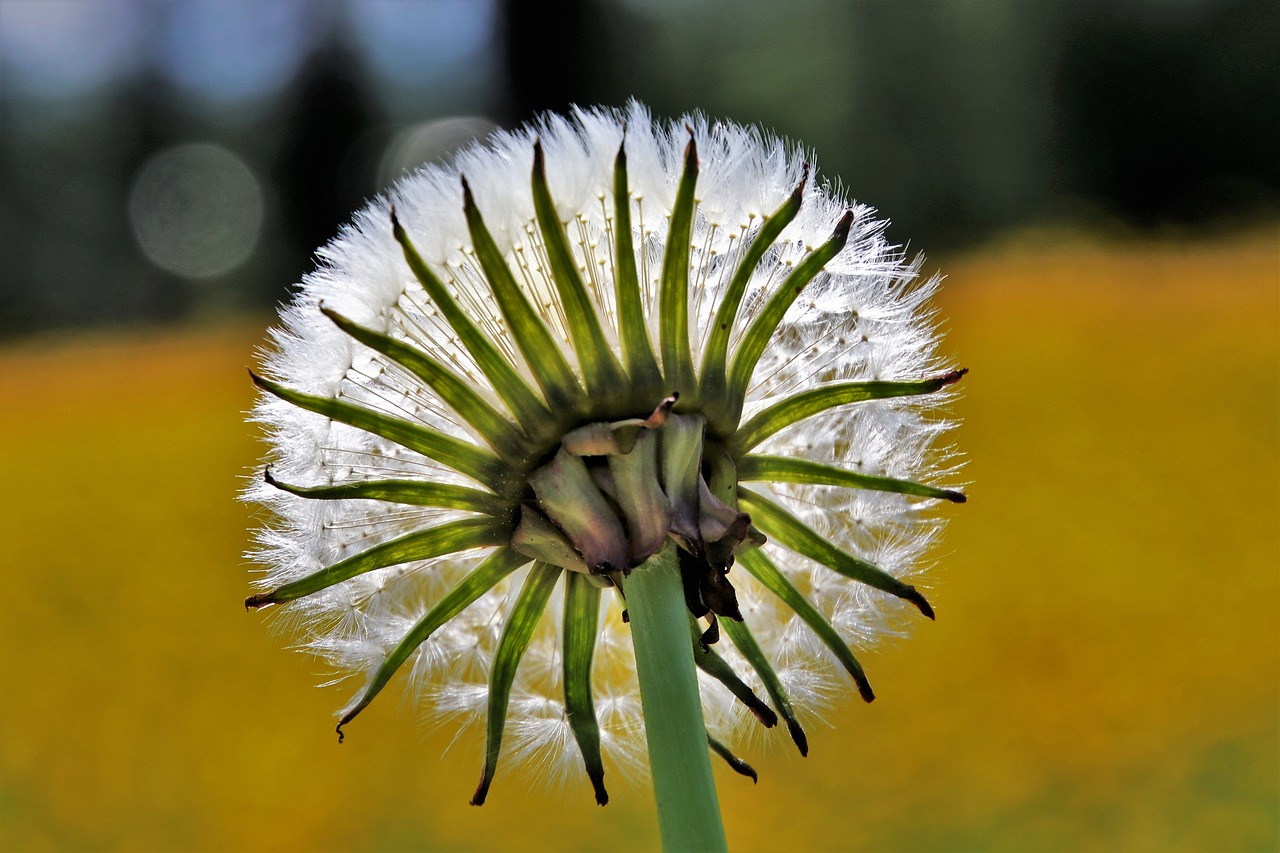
1104 673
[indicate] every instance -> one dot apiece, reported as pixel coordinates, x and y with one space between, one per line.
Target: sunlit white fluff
866 318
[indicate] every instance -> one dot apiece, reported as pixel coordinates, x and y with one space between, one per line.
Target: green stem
688 811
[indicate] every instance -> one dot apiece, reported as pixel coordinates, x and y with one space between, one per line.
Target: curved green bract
766 323
673 295
763 570
601 372
808 403
714 357
645 508
522 619
718 668
569 496
500 434
790 532
581 615
413 492
527 406
460 535
783 469
465 458
538 538
633 330
681 468
735 763
480 580
746 644
540 349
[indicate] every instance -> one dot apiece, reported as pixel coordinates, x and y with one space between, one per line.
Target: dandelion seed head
864 317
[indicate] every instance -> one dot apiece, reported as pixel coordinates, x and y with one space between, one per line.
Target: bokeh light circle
196 210
430 142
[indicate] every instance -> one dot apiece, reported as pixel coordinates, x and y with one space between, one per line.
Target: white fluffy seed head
866 317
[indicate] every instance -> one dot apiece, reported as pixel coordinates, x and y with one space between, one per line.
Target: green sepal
538 539
682 442
721 486
527 407
756 338
522 619
459 535
735 763
715 354
477 463
808 403
478 581
569 497
673 294
601 372
718 668
581 615
762 569
604 438
616 438
746 644
412 492
633 330
541 350
646 511
500 434
721 527
792 533
721 473
784 469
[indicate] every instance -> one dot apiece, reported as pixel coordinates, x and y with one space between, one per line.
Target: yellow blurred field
1104 673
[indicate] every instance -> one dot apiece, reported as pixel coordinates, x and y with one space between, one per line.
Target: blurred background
1098 180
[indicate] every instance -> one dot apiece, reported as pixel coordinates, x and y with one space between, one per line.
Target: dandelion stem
688 810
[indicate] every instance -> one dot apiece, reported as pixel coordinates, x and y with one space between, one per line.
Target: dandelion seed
513 385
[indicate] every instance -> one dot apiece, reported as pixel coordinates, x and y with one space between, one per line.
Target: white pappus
492 329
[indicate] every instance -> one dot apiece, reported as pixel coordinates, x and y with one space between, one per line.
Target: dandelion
565 415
